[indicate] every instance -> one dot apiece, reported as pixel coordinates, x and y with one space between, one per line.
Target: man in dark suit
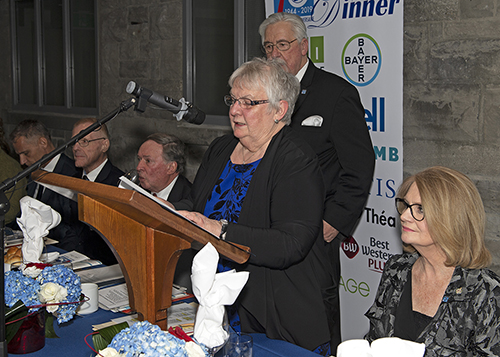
330 117
161 164
31 141
91 155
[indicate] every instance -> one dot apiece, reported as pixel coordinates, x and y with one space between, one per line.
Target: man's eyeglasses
282 45
84 142
245 103
416 209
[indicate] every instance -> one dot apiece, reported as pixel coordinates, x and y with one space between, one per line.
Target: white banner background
362 41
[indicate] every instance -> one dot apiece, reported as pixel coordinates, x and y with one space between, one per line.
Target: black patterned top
467 321
229 191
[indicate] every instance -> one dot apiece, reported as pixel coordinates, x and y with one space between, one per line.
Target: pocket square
314 120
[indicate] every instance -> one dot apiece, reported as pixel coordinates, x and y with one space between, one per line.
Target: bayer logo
361 60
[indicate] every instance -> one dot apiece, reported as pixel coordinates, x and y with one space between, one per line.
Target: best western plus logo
350 247
361 60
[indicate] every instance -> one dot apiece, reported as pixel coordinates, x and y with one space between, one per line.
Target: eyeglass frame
249 104
407 205
87 142
268 43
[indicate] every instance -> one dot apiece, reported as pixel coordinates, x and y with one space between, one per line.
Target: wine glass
226 327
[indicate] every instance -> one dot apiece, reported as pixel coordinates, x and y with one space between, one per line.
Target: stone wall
143 42
139 40
452 95
451 87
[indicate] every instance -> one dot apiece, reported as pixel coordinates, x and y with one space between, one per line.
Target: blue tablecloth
72 340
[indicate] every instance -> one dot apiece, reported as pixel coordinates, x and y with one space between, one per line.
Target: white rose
109 352
193 350
52 293
32 272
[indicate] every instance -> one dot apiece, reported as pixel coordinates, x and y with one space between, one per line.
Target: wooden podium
145 238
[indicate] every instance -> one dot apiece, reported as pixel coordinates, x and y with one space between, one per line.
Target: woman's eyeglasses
245 103
416 209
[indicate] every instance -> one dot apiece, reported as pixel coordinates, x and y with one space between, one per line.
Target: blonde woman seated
439 292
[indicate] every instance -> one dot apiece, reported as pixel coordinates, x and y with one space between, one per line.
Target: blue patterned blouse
229 191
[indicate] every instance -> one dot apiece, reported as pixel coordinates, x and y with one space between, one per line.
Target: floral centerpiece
146 339
55 288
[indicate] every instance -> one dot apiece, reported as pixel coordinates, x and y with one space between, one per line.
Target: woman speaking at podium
262 187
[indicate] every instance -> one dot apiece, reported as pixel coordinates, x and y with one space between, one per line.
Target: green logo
317 49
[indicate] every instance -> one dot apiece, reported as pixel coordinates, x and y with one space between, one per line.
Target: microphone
132 175
181 108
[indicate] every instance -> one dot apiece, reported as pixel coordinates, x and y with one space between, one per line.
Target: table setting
75 306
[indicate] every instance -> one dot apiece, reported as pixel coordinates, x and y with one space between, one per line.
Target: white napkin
354 348
382 347
36 220
213 291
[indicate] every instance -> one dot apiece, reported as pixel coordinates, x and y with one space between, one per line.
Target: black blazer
181 189
342 143
280 220
109 175
94 245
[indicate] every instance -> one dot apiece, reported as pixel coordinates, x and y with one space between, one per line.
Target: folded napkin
382 347
36 220
213 290
354 348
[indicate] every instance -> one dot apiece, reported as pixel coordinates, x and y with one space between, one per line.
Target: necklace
248 158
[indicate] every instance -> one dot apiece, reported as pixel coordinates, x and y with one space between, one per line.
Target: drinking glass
238 345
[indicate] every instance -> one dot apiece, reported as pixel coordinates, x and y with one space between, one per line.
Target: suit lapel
305 83
104 173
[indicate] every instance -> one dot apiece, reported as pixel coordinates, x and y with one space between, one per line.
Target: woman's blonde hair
454 213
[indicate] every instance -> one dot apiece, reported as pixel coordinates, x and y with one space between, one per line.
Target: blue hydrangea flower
61 275
20 287
146 339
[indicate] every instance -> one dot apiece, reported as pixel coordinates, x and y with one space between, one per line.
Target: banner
362 41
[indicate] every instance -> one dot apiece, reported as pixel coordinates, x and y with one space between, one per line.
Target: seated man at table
31 141
91 155
161 164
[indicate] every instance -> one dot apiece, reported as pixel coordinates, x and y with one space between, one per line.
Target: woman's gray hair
270 76
298 26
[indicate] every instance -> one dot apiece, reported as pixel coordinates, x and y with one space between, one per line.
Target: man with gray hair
330 117
91 154
91 157
161 164
31 141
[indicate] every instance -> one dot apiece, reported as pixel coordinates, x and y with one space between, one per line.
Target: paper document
74 256
13 238
99 275
181 314
113 297
129 185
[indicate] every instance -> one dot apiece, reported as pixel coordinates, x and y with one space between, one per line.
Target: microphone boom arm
11 182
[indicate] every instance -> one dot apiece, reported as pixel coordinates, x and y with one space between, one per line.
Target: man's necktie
85 178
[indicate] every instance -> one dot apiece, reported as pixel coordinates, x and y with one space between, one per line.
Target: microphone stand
11 182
